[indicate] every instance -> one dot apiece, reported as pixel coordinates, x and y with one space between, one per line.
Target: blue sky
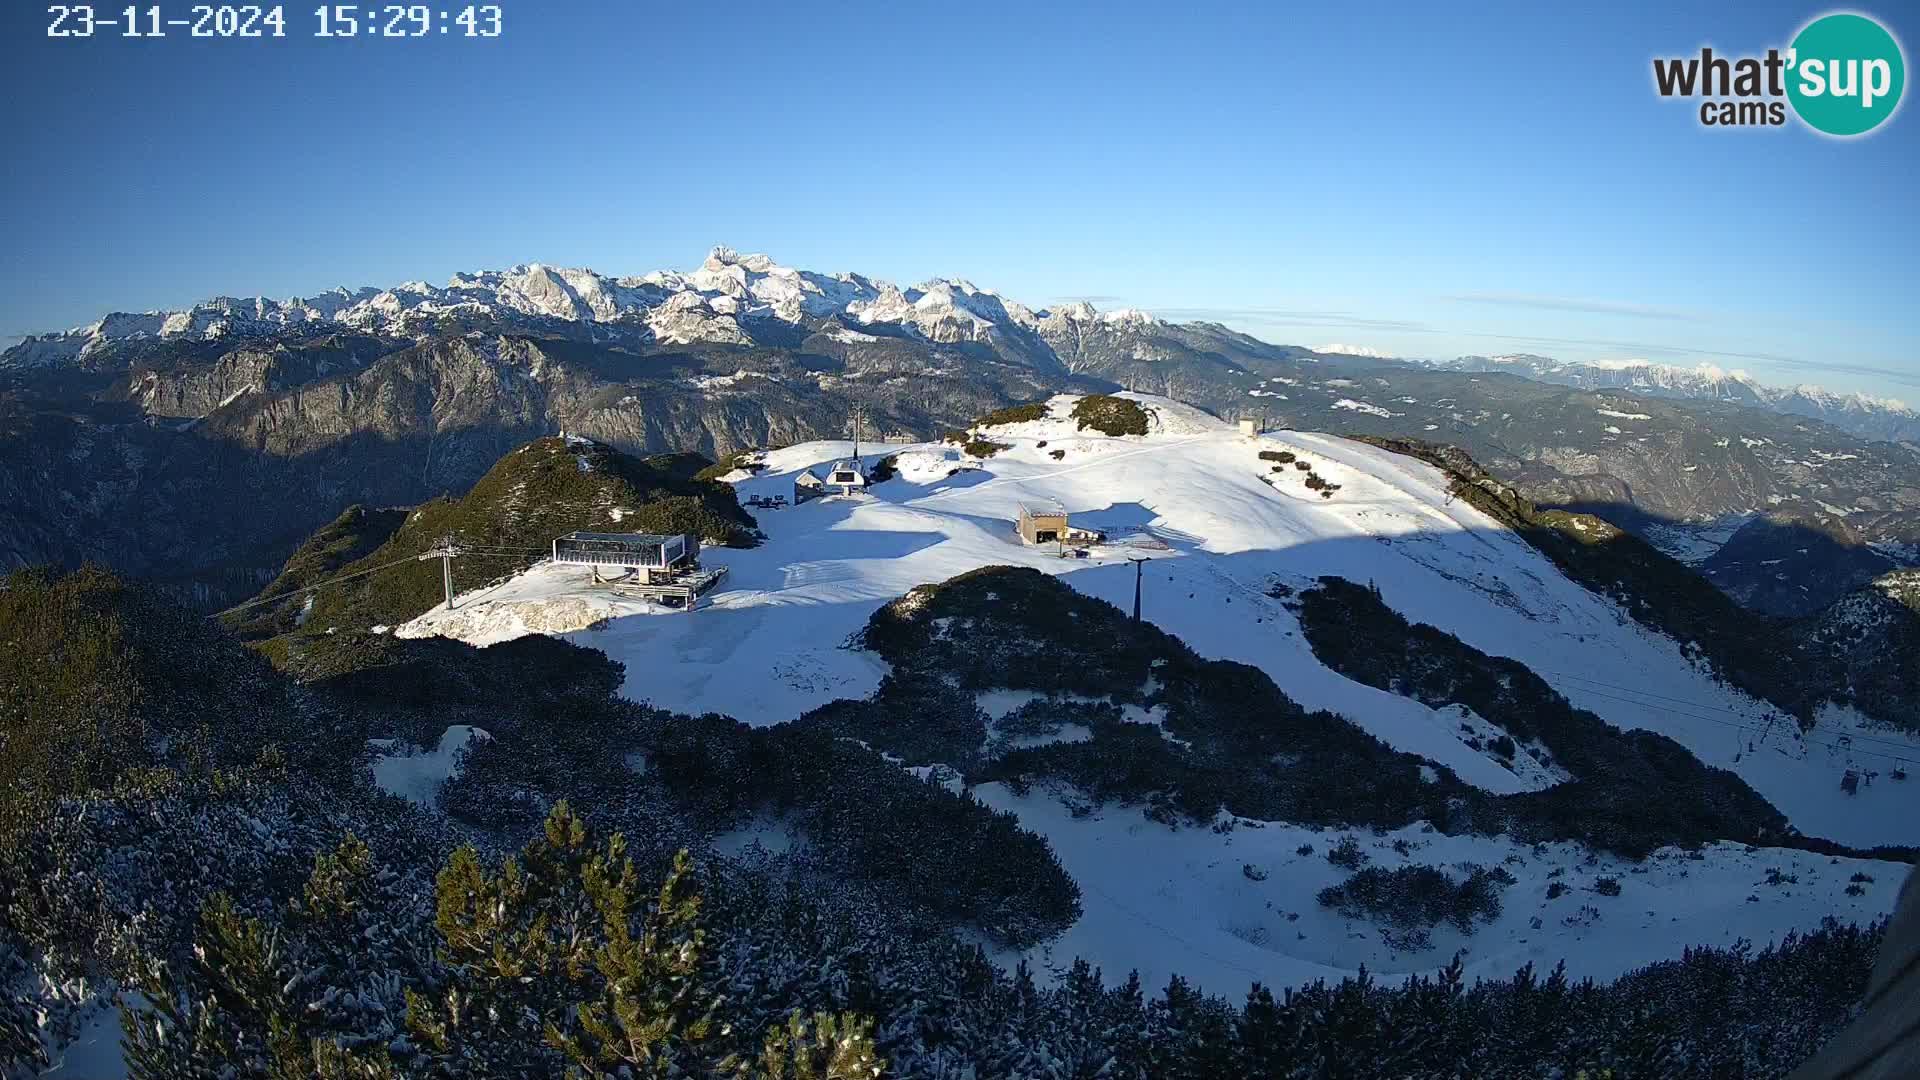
1413 178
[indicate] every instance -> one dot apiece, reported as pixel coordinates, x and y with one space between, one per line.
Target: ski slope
771 645
1163 902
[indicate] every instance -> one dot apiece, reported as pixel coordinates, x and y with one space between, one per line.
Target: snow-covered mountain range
1874 417
742 299
729 299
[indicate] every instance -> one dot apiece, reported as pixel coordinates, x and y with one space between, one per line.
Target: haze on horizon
1501 180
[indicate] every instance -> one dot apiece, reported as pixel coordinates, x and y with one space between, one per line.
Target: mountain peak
723 257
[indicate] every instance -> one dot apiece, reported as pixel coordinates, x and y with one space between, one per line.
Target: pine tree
652 1012
1424 1033
233 1014
1350 1034
1191 1035
518 946
1267 1040
824 1047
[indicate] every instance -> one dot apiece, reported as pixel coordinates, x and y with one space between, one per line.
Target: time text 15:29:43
270 21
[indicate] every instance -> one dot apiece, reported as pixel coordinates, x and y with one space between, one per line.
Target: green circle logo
1845 74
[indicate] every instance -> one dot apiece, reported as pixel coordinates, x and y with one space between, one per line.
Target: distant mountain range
201 446
749 299
1870 417
731 299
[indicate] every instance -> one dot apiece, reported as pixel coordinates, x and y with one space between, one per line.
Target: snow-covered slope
1190 495
1225 907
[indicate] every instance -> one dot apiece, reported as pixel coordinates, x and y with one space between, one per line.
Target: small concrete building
807 485
1043 523
1249 427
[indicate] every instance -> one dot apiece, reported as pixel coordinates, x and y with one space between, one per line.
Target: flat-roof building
1043 522
642 553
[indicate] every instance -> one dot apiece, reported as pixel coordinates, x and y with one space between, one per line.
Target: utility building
807 485
1043 523
1046 523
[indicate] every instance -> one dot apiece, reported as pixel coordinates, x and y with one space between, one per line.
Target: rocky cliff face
190 390
211 504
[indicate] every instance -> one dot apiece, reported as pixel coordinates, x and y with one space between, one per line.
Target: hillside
99 678
1832 657
509 519
1794 563
1871 639
1228 552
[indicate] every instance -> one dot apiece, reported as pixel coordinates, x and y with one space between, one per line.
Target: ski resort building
662 568
846 477
645 555
843 478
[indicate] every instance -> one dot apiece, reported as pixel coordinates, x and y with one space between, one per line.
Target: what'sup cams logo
1842 76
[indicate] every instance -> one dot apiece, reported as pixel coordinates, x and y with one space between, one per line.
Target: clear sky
1417 178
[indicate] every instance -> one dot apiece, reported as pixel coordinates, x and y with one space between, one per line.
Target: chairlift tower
445 552
859 413
1138 563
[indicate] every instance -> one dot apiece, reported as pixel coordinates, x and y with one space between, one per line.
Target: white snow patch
418 776
1355 350
1225 908
1361 407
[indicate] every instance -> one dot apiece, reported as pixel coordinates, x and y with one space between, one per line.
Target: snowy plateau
1223 535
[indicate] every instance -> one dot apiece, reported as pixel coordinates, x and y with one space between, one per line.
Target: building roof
635 539
1043 509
